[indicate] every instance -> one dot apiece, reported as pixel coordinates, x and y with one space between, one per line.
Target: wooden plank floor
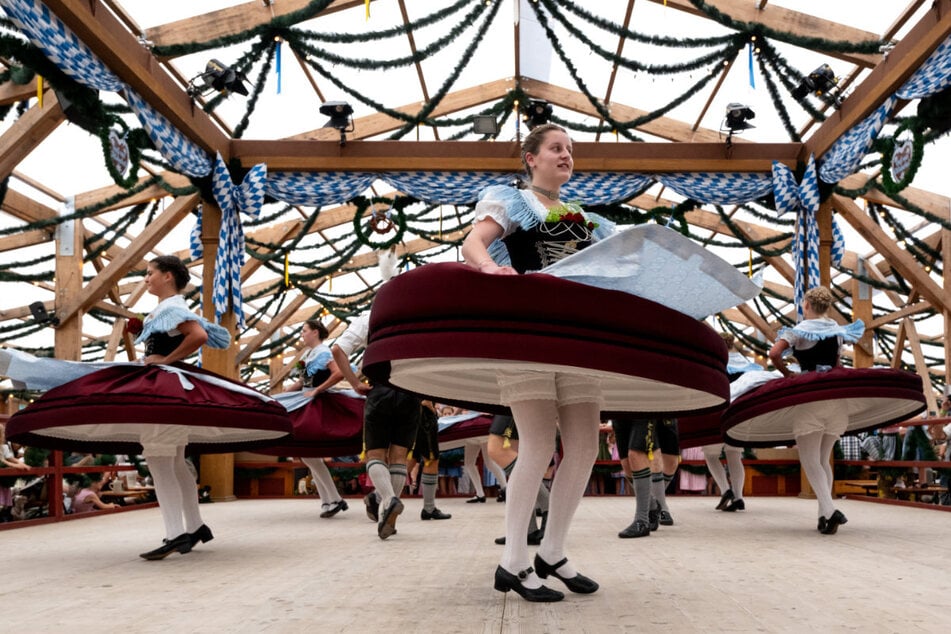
275 567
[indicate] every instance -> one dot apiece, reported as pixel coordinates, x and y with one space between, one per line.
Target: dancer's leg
470 455
711 454
536 430
189 490
734 461
326 488
579 424
168 493
810 447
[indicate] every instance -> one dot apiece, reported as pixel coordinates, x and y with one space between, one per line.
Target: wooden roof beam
782 19
383 156
233 20
901 260
107 278
885 79
28 132
119 49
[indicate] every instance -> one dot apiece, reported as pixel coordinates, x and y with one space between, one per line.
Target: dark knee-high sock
658 490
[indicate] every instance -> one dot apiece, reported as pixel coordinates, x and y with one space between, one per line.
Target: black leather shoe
832 524
479 499
388 518
501 496
336 507
203 534
665 519
373 506
725 500
735 505
434 514
505 581
653 519
579 583
636 529
534 538
822 524
182 544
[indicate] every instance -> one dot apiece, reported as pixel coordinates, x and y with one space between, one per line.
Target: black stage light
536 112
217 77
341 117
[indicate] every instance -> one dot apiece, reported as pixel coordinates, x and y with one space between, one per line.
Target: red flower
133 326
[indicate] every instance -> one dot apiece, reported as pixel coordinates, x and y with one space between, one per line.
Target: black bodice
162 343
315 379
545 244
825 352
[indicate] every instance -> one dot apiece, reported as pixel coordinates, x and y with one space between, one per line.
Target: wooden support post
69 284
863 351
217 470
946 270
824 222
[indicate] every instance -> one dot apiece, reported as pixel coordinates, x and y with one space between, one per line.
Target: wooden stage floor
275 567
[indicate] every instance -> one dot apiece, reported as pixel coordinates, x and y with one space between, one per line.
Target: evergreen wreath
394 214
887 148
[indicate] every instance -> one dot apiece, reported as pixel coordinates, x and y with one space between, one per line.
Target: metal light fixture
822 83
736 121
42 316
341 117
737 116
536 112
485 124
217 77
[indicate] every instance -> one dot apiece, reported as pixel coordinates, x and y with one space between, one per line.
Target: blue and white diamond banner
184 155
932 77
317 189
445 188
846 154
720 189
60 45
604 188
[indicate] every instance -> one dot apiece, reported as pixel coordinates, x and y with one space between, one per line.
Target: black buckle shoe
725 500
203 534
505 581
735 505
479 499
832 524
336 507
182 544
579 583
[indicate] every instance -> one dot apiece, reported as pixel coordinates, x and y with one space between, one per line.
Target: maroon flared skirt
456 435
875 397
329 425
112 410
443 331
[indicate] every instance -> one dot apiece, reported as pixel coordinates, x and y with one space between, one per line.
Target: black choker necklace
544 192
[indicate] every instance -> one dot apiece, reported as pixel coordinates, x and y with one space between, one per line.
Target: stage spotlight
737 116
485 124
341 117
536 112
821 82
40 314
217 77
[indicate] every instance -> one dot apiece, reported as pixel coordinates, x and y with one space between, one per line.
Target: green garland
868 47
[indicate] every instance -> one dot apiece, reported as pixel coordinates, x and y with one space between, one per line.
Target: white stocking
189 490
810 457
711 454
493 466
470 454
579 424
535 420
326 489
734 460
